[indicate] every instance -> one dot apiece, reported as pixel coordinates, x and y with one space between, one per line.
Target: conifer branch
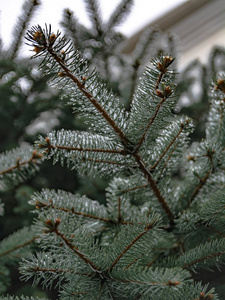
95 15
135 188
147 228
199 260
29 8
198 187
101 161
88 95
34 157
168 147
46 270
168 283
161 94
215 230
168 159
81 149
150 123
155 188
19 246
133 84
54 228
119 14
40 204
39 38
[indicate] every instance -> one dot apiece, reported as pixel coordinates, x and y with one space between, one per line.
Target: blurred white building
198 24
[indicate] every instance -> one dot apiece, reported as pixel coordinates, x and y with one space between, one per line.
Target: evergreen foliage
104 47
163 217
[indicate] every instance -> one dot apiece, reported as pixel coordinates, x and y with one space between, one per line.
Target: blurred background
50 12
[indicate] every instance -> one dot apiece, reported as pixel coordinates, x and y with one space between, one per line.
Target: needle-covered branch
19 164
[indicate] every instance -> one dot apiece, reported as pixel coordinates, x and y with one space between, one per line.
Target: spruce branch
150 123
40 204
31 241
74 28
169 146
101 161
147 228
45 43
169 283
80 149
53 227
51 270
120 13
28 11
95 15
202 182
134 188
163 95
155 188
202 259
19 163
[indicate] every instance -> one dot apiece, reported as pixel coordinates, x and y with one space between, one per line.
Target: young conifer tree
157 227
163 220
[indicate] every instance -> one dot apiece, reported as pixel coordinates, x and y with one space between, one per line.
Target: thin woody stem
159 80
79 213
150 226
90 97
169 157
151 121
215 230
167 148
104 161
18 247
199 260
81 149
38 269
163 69
155 189
119 211
135 188
19 163
76 250
198 187
169 283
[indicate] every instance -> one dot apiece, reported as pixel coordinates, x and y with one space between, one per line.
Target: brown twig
162 67
186 266
135 188
79 213
198 187
75 249
102 161
18 247
167 148
119 218
89 96
169 283
155 189
81 149
19 163
147 228
149 124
